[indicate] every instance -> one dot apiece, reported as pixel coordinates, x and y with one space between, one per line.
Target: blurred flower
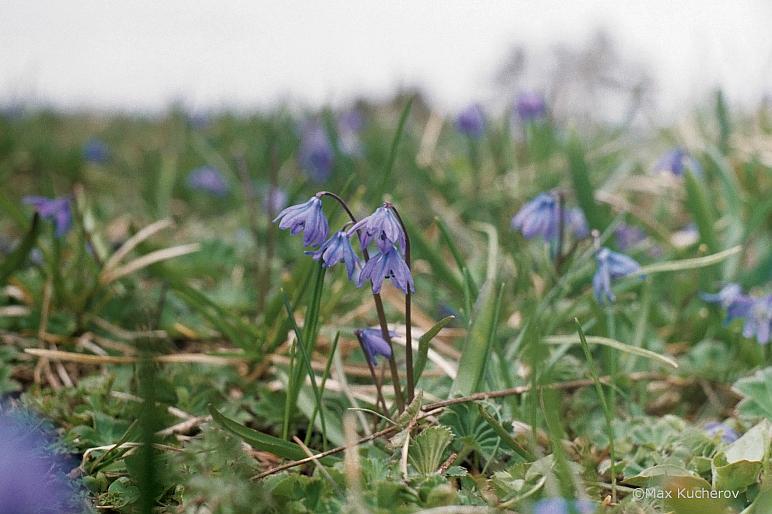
610 265
374 344
530 106
56 210
381 226
337 249
471 121
539 217
718 429
349 125
274 200
96 151
387 264
575 221
33 477
676 161
563 506
316 153
628 236
757 313
208 180
307 217
725 297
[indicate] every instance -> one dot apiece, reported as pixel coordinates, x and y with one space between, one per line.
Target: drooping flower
349 125
610 266
209 180
757 313
337 249
374 344
316 153
539 217
576 222
383 227
56 210
677 161
722 430
96 151
33 477
274 200
471 121
563 506
530 106
306 217
387 264
726 296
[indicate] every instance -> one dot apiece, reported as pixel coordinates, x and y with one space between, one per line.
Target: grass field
536 317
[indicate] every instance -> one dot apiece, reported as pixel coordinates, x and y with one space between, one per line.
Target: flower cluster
382 228
542 217
755 311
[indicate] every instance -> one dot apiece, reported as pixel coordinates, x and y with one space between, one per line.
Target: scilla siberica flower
387 264
209 180
530 106
96 151
374 344
718 429
337 249
306 217
757 313
349 125
563 506
540 217
677 161
56 210
383 227
610 265
316 153
471 121
576 222
726 296
628 236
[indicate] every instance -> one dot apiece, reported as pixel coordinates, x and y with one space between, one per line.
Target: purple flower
351 121
539 217
208 180
726 296
96 151
575 221
316 153
563 506
628 236
274 200
471 121
610 266
349 125
381 226
373 344
387 264
676 161
33 477
307 217
758 316
718 429
530 106
56 210
337 249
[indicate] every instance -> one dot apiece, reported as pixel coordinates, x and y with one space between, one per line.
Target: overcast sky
144 54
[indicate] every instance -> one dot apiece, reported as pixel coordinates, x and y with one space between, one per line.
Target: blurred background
651 59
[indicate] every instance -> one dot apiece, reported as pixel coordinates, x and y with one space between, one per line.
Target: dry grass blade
82 358
135 240
110 275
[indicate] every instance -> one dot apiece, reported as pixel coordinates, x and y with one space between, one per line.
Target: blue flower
562 506
758 316
33 478
387 264
471 121
56 210
576 222
676 161
274 200
374 344
628 236
725 297
718 429
316 153
307 217
381 226
610 266
96 151
539 217
530 106
208 180
337 249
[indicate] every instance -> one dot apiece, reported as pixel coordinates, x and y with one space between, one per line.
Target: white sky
144 54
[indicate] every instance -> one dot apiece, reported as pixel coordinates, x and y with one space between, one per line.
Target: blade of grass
18 256
423 346
394 146
613 343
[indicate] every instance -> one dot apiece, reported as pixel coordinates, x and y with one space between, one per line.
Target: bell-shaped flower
337 249
677 161
471 121
374 344
383 227
306 217
539 217
610 266
530 106
387 264
56 210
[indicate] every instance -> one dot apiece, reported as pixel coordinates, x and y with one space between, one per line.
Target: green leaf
612 343
752 446
16 258
701 209
428 447
259 440
423 346
756 391
504 435
687 264
597 217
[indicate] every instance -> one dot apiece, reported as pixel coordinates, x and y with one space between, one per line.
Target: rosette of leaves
757 394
